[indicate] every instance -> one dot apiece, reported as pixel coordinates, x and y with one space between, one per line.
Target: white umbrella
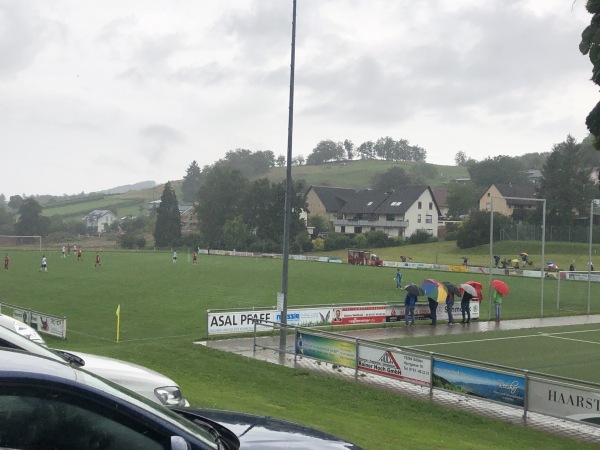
468 288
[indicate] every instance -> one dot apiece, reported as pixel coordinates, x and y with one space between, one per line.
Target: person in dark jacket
433 308
409 308
465 307
449 306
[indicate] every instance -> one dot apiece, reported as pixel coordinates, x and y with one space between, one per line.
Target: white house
100 220
398 214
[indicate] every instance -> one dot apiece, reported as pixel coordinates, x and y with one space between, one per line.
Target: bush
265 246
379 239
421 237
132 241
337 241
318 244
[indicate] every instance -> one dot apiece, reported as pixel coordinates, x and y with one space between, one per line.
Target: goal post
573 289
15 241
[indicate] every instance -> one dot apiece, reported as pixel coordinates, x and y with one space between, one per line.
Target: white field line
554 335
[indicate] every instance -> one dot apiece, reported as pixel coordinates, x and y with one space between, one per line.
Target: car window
44 417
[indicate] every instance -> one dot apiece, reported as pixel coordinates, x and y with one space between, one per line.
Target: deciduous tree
566 183
590 45
31 222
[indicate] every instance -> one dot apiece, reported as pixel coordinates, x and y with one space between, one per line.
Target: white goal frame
20 236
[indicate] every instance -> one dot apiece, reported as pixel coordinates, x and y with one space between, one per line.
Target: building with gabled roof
398 214
508 198
326 201
100 220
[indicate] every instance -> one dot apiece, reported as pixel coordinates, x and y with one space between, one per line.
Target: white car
146 382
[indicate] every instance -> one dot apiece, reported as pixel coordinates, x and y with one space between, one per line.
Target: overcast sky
95 94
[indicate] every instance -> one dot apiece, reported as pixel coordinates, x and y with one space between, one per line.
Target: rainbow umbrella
434 289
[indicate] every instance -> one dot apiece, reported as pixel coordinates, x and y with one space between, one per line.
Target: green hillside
352 174
359 174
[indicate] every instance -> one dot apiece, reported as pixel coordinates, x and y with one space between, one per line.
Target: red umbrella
478 287
501 287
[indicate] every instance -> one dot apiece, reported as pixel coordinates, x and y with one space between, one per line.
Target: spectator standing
433 310
497 304
398 279
465 307
572 268
449 306
496 260
409 308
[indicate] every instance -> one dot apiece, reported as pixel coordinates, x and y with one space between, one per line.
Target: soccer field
163 311
570 351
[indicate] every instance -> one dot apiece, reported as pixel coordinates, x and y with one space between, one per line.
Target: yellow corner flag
118 321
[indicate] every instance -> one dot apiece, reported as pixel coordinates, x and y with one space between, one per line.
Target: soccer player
6 261
98 263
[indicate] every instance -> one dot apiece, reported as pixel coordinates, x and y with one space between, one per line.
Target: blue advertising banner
482 383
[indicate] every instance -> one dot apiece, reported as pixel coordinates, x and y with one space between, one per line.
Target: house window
430 206
418 218
390 217
420 206
488 206
342 229
357 230
489 194
429 231
428 218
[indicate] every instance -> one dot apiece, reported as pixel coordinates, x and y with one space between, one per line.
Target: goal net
20 242
572 291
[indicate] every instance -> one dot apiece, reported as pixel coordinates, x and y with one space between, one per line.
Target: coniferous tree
191 182
167 232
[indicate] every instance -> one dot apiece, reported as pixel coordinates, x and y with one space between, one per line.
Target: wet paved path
267 352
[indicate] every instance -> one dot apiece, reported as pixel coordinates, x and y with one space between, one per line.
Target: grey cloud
23 35
157 140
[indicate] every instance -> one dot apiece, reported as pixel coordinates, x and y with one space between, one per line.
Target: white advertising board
395 364
568 402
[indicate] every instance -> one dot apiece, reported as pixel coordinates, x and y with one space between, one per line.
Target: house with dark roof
509 198
100 220
441 198
397 214
327 201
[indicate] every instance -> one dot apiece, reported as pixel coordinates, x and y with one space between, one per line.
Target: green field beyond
163 311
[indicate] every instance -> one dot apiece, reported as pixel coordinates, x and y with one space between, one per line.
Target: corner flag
118 321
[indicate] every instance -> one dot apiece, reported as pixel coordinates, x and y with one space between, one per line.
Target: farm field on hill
163 307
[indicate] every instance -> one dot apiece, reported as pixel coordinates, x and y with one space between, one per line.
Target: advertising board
326 349
394 364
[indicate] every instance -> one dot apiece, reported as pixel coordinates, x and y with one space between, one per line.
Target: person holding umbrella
412 291
452 290
500 290
465 304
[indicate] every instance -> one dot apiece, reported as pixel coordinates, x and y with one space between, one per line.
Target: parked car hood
263 432
134 377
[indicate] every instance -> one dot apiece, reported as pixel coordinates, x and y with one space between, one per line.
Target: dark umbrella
414 289
451 287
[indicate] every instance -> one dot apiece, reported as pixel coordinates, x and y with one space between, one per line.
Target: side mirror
179 443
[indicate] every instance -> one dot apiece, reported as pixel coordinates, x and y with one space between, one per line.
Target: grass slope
163 308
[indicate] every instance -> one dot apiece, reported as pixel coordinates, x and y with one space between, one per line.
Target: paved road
268 352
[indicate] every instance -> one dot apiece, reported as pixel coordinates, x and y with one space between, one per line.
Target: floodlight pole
543 248
590 256
288 195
